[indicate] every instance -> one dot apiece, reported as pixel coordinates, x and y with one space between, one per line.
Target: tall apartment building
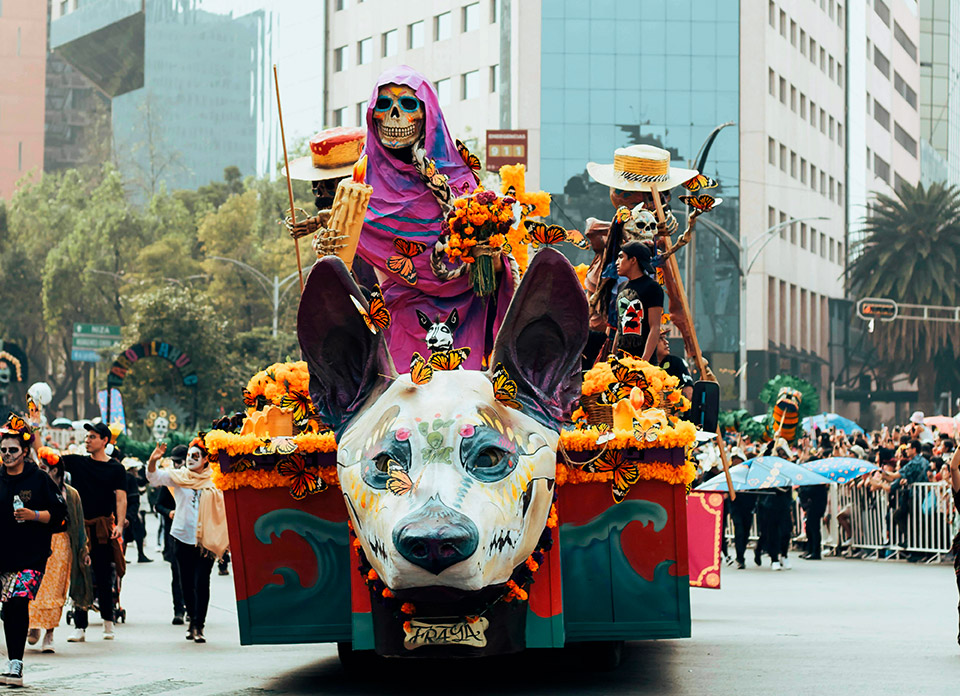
23 54
939 77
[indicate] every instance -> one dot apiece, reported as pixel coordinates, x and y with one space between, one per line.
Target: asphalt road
836 626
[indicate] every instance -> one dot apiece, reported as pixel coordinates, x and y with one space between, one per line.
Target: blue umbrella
840 469
825 421
764 472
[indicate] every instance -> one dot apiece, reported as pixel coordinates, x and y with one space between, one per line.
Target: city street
862 627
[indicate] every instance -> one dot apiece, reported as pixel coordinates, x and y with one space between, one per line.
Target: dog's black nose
436 537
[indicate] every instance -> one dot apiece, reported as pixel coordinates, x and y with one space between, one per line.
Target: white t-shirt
187 515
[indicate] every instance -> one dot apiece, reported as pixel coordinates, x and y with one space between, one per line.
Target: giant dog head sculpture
446 485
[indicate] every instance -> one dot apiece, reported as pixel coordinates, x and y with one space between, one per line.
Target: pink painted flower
403 434
466 430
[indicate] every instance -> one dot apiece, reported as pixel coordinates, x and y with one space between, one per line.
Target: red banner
704 527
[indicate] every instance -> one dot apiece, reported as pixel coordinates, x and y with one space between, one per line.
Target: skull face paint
398 116
161 426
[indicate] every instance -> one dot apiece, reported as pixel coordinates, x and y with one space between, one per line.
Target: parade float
438 477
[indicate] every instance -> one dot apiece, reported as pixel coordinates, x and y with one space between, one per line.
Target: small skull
161 426
398 115
645 224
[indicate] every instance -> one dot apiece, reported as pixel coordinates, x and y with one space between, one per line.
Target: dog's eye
491 464
489 458
382 463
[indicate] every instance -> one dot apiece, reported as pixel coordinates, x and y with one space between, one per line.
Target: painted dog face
439 333
445 484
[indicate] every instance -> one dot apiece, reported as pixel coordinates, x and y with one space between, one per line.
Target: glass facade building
939 73
661 73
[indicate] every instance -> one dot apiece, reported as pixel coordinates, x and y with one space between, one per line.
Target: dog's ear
424 320
453 321
348 363
542 338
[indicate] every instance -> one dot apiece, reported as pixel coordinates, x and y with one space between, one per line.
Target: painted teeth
398 132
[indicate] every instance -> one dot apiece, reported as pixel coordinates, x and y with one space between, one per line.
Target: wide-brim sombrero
302 169
640 168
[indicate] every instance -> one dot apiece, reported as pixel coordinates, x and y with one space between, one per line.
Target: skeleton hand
308 225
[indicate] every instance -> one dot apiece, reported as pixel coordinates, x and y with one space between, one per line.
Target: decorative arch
152 349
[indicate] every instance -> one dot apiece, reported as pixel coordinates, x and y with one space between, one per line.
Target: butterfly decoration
576 238
700 182
399 481
504 388
605 434
623 215
650 435
303 482
432 175
402 262
315 423
229 424
616 391
17 423
242 464
421 371
545 235
701 203
249 399
449 359
378 317
625 472
469 159
300 404
277 445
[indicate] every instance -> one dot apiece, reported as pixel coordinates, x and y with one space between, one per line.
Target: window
833 253
823 183
390 42
441 27
813 51
823 60
840 193
803 235
443 91
783 229
898 182
813 177
832 65
901 36
783 24
470 85
793 33
783 91
880 7
803 106
902 137
340 116
365 51
869 159
772 83
415 35
831 127
840 73
783 158
831 9
340 59
880 60
840 15
361 113
832 189
793 164
494 11
771 217
771 151
823 121
470 17
494 78
813 114
340 4
881 168
840 259
881 115
840 134
904 90
823 245
803 171
803 42
793 98
772 14
793 233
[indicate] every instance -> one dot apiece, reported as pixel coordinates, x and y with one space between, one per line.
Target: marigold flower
408 608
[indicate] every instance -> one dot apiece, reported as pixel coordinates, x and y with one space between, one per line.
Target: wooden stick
676 292
286 164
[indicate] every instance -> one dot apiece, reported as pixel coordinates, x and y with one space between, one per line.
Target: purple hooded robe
402 206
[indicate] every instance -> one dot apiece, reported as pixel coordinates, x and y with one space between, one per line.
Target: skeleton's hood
401 205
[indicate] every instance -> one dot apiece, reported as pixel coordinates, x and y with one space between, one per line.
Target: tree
910 254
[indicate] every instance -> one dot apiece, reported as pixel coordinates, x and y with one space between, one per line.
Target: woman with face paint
199 527
31 511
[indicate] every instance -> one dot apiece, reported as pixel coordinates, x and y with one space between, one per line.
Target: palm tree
910 254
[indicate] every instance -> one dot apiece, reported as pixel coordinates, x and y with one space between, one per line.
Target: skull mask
642 225
161 426
398 115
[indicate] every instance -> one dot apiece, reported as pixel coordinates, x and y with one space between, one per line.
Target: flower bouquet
478 226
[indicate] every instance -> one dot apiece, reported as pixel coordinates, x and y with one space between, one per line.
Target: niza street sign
89 338
877 308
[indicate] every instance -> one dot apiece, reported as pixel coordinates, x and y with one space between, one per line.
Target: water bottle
17 504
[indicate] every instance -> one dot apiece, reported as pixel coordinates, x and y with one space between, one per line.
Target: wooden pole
286 166
682 317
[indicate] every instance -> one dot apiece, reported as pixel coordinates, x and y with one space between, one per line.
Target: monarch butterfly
249 399
242 464
399 481
615 392
303 482
702 203
541 234
469 159
277 445
576 238
625 472
402 262
625 375
15 422
449 359
421 371
700 182
605 434
378 316
299 403
504 388
651 434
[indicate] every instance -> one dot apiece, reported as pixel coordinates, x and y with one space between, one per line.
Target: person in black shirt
674 365
31 511
102 484
639 304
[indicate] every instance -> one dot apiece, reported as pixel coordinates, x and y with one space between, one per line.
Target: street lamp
271 287
744 265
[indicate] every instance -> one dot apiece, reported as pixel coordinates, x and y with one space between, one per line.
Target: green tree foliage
911 254
809 404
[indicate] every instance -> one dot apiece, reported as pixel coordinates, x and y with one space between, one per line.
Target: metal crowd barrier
929 527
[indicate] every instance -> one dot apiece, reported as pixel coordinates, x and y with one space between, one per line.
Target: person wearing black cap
166 507
101 482
639 304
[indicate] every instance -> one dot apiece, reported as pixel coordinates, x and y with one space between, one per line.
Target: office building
939 75
23 49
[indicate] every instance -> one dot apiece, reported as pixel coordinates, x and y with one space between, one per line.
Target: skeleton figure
439 333
398 115
161 426
445 484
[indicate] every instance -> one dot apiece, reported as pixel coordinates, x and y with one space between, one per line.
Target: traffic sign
88 338
877 308
84 355
96 330
506 147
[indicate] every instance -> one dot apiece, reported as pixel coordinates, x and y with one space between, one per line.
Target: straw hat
333 152
637 167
